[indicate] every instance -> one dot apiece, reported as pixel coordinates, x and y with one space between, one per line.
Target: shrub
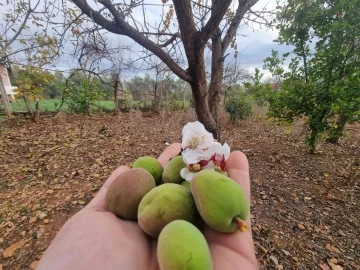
238 105
82 97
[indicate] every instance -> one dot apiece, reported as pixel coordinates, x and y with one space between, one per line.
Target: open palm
97 239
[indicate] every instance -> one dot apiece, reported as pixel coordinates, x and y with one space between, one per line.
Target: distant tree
322 80
31 83
25 33
261 92
25 36
54 88
234 75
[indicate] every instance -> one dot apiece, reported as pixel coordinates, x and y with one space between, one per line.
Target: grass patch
52 105
48 105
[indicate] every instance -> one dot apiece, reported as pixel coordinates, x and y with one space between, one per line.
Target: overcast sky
254 47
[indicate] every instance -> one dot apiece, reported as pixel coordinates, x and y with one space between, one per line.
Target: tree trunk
156 96
116 97
36 115
28 106
197 70
336 133
183 99
202 110
5 99
217 72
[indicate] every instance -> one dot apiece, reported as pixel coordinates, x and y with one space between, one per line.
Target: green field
52 105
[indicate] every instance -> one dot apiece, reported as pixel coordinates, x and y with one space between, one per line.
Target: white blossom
221 152
200 151
187 174
195 136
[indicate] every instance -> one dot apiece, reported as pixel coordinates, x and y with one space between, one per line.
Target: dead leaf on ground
274 259
324 266
332 248
335 266
9 252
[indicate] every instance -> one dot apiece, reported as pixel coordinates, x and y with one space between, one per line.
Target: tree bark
5 99
116 97
28 105
217 73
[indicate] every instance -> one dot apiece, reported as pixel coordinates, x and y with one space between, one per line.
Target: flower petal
186 174
220 151
192 156
196 136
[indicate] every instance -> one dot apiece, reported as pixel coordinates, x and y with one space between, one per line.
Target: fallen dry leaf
324 266
32 220
39 233
33 265
274 259
332 248
9 252
301 227
335 266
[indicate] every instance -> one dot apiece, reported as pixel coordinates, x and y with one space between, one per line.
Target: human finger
237 167
171 151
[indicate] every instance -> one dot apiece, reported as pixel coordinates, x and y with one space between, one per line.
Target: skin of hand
96 239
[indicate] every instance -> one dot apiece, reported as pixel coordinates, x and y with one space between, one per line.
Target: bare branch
186 24
168 42
218 10
23 24
243 7
123 28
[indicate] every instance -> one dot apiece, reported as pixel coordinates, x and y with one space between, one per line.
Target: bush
238 105
82 97
173 105
124 105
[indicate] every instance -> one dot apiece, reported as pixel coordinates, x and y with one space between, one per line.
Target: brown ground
305 208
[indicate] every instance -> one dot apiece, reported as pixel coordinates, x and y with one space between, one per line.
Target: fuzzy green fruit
182 246
152 165
220 201
185 184
220 171
125 193
164 204
172 170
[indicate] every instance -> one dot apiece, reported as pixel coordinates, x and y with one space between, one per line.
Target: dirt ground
305 208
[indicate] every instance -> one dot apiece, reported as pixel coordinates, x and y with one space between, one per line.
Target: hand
96 239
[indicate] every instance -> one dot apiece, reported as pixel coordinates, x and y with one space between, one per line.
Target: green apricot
164 204
125 193
182 246
220 171
152 165
221 202
172 170
185 184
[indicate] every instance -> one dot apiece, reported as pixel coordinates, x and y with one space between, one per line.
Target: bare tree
234 74
24 33
195 24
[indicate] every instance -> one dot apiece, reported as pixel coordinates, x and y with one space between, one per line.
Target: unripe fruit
152 165
171 172
221 202
125 193
164 204
182 246
185 184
